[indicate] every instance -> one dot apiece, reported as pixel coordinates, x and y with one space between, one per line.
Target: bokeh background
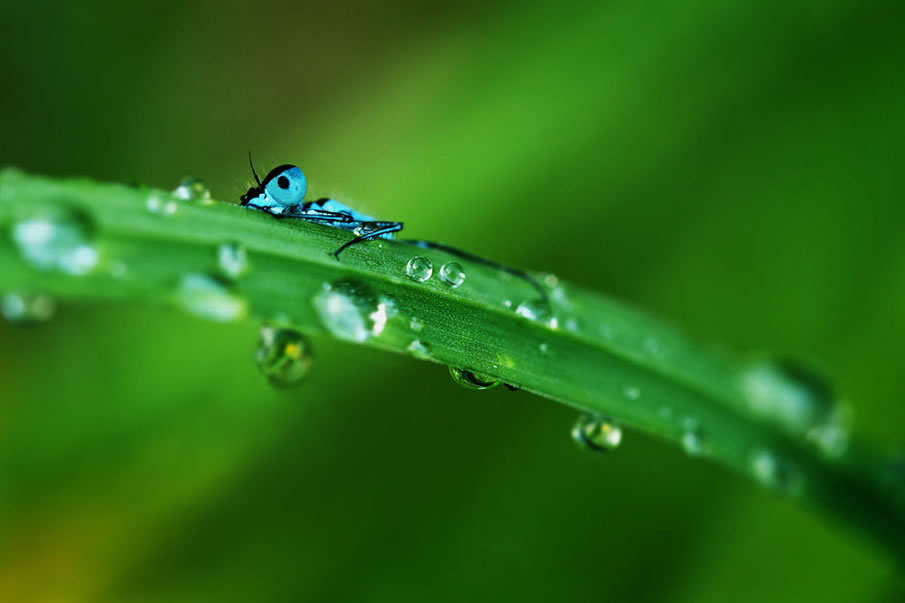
734 167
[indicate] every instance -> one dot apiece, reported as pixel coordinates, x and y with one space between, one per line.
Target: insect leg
479 260
380 228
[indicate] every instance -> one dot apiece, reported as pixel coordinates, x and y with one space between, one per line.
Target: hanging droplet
350 310
419 268
596 433
419 349
471 380
193 189
453 274
787 394
283 355
57 238
232 258
210 297
539 311
24 308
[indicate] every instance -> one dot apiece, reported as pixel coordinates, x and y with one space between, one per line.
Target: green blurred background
735 167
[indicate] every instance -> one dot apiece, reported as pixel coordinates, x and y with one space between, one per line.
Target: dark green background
735 167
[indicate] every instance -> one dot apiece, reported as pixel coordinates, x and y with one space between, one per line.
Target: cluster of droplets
57 238
283 356
193 189
24 308
596 433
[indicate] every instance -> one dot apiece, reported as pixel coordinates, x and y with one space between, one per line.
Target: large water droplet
471 380
232 258
283 355
57 238
596 433
788 394
419 349
537 310
192 189
350 310
453 274
419 268
210 297
24 308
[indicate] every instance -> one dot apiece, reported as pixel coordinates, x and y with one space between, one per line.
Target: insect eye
283 182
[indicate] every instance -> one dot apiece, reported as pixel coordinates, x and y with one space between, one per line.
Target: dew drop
770 471
551 280
471 380
419 349
22 308
596 433
630 392
232 258
507 303
350 310
787 394
544 347
57 238
416 324
210 297
283 356
453 274
419 268
692 441
539 311
571 325
192 189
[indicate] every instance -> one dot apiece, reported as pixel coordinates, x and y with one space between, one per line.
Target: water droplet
350 310
232 258
57 238
24 308
283 355
471 380
452 273
419 349
653 346
692 441
156 205
544 347
416 324
419 268
788 394
631 392
551 280
209 297
571 325
507 303
770 471
192 189
831 436
596 433
539 311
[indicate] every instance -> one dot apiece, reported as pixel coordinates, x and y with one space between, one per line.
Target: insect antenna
252 166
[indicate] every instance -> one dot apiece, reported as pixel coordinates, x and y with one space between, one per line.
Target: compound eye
286 186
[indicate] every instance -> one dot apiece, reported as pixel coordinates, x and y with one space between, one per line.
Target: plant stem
590 353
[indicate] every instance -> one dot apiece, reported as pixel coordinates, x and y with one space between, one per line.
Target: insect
282 192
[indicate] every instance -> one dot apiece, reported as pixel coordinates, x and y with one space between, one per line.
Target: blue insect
282 192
